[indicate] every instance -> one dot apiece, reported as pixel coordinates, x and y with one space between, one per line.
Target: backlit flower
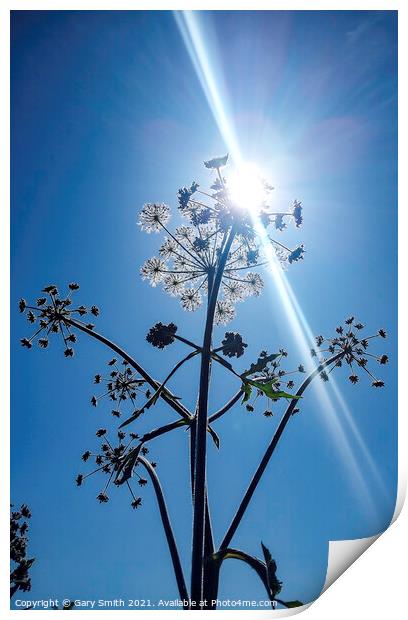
154 216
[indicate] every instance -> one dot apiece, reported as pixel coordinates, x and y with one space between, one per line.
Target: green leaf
216 162
281 394
262 384
268 389
246 388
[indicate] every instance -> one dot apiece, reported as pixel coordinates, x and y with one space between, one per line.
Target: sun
246 188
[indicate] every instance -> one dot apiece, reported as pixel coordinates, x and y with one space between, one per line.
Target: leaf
268 390
281 394
214 436
260 365
256 564
274 584
262 384
247 389
216 162
125 469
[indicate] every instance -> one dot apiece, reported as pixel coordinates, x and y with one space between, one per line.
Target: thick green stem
270 450
201 438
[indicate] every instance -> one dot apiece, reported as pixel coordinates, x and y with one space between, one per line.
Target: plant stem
208 535
236 554
167 395
226 407
153 399
175 558
270 450
209 549
201 438
162 430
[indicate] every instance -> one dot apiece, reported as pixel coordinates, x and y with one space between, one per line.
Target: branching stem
168 530
167 395
201 438
270 450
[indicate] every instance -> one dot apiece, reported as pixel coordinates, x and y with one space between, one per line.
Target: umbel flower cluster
351 348
189 256
54 314
122 385
118 462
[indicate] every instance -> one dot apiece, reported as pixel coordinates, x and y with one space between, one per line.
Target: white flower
281 253
191 299
153 216
224 312
234 291
154 269
254 284
169 249
185 234
173 285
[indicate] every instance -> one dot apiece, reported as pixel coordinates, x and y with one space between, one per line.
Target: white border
375 583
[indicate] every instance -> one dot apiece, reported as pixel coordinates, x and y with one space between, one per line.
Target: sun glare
247 191
246 188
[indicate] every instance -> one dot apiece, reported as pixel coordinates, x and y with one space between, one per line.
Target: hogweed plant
212 260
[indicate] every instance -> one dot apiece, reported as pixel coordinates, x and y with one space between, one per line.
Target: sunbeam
347 415
212 84
304 339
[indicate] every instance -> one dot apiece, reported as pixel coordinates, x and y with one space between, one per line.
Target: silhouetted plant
20 563
216 255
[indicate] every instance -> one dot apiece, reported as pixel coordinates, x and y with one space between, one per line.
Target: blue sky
108 113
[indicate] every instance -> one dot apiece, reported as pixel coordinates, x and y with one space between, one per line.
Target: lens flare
245 190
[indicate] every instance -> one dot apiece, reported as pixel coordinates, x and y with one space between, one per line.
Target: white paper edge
343 553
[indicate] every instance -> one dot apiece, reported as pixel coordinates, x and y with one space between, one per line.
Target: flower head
121 386
154 216
191 255
233 345
224 312
191 299
111 460
154 270
350 346
161 336
297 213
55 314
